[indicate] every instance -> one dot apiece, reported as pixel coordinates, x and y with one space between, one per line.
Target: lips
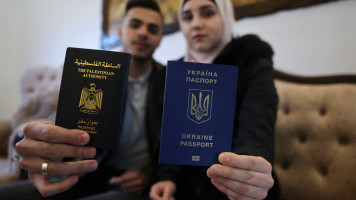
141 45
199 37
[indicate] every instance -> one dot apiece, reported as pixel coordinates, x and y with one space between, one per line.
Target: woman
246 173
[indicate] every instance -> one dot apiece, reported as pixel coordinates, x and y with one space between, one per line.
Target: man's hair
149 4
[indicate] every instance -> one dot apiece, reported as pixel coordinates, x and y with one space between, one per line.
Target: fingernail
89 152
83 138
215 170
74 180
208 172
115 180
223 158
92 166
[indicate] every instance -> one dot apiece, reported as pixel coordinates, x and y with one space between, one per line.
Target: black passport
92 94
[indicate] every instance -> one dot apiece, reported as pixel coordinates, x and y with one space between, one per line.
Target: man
127 171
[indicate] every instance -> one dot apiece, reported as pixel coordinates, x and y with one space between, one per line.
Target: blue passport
198 112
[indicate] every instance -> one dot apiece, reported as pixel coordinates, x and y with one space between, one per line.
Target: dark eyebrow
186 11
140 21
206 7
201 8
153 25
136 20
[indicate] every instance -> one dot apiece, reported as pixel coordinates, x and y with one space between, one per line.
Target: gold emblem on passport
196 158
199 105
91 100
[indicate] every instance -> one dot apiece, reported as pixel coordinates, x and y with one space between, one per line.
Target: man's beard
138 58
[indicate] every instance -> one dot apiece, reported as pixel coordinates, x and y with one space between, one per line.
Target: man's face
141 32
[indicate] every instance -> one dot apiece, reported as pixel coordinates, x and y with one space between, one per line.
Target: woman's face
201 25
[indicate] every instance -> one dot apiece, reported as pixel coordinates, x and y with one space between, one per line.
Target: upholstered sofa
315 132
39 89
315 155
5 131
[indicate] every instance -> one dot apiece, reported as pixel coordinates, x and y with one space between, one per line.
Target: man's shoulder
157 64
158 67
158 72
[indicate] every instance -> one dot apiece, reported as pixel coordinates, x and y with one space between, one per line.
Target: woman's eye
208 13
187 17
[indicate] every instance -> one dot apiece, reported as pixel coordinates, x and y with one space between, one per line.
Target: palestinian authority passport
92 94
198 112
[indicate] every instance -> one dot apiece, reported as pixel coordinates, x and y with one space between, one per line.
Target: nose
143 32
197 22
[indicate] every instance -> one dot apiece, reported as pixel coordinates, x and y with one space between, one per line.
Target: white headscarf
227 14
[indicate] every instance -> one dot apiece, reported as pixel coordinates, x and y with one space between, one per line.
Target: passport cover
92 94
198 112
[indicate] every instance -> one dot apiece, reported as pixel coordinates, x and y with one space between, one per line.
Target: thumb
167 194
114 180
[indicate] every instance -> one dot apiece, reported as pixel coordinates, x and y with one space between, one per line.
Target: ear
120 31
160 40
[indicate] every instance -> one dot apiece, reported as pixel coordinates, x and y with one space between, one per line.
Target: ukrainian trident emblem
199 105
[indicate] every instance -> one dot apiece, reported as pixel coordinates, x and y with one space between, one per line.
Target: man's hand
241 176
163 190
43 141
131 181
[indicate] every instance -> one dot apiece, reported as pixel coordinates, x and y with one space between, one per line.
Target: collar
141 79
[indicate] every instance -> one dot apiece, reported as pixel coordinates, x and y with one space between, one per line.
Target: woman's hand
241 176
163 190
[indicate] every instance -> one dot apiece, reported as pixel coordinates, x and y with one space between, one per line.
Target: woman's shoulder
252 46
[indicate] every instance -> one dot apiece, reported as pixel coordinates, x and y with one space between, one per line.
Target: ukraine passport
92 94
198 112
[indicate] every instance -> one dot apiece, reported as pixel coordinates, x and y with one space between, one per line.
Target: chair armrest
5 132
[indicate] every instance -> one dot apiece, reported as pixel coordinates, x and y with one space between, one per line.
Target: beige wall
9 68
37 33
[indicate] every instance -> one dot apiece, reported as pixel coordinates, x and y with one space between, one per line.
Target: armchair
39 95
315 154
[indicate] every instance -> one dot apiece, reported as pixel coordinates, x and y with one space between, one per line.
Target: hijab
227 14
